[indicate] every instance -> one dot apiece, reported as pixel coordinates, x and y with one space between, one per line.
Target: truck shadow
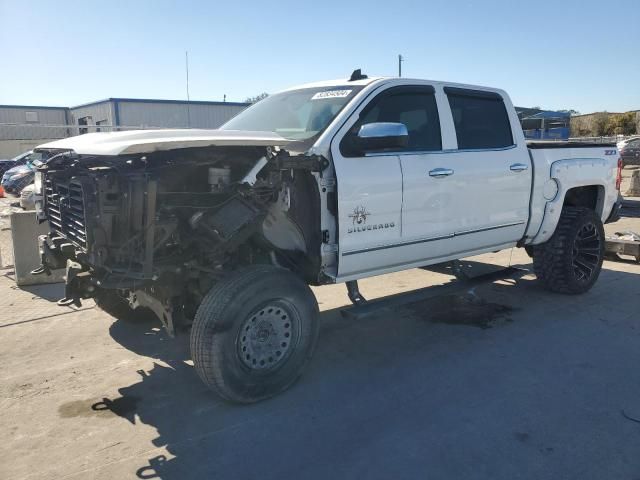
51 292
298 433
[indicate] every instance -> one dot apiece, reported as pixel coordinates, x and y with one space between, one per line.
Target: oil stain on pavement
461 310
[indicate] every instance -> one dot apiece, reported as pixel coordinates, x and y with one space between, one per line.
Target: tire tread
208 360
549 258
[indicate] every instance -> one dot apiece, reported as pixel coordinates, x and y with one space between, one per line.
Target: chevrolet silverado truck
224 230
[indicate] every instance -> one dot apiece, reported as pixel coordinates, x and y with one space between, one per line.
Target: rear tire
571 260
254 333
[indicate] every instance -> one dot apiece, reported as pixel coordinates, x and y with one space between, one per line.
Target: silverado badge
359 215
359 221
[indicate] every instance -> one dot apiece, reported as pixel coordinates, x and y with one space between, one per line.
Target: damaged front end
158 229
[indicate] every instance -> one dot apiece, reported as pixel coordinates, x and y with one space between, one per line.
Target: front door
370 187
369 203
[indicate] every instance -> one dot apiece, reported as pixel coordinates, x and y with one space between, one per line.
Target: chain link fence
17 138
29 131
609 139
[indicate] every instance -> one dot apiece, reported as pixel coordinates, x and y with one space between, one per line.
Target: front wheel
254 333
571 260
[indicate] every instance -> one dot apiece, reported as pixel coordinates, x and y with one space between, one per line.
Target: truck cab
460 184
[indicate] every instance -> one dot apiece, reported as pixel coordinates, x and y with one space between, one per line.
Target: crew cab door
370 186
478 187
494 170
369 200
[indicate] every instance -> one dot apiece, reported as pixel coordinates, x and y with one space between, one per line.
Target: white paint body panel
481 194
569 168
483 206
379 199
147 141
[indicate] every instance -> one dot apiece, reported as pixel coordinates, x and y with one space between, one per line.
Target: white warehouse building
23 127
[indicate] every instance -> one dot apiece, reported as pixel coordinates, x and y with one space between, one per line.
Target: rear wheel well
588 196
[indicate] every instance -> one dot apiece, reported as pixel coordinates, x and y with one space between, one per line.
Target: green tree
623 124
600 124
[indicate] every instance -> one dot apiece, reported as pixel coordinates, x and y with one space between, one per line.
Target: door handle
440 172
518 167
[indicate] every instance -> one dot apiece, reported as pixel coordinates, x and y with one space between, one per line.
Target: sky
556 54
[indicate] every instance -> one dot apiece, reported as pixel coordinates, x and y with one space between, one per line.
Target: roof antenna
357 75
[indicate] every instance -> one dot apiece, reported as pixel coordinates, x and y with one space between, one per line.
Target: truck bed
560 166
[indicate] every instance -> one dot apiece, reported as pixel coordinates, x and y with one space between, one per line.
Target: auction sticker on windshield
331 94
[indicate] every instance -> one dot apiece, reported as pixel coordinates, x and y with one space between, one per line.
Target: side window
480 119
415 107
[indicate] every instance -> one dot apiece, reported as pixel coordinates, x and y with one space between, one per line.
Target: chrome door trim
394 245
486 229
432 239
440 152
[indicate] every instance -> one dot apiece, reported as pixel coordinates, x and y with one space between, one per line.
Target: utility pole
186 60
400 60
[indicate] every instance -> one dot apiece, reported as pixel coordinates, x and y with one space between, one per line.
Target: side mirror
381 136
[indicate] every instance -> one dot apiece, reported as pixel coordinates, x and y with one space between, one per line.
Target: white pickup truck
223 230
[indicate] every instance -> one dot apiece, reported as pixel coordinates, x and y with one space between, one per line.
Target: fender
572 173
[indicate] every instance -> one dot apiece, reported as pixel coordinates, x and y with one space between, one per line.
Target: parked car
223 230
18 177
622 143
630 152
14 162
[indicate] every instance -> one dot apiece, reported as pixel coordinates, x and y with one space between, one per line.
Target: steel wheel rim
268 336
586 252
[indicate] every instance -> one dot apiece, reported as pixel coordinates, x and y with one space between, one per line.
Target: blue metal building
544 124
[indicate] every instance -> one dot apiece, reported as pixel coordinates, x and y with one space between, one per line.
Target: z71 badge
359 220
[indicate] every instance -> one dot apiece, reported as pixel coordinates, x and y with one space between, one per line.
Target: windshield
295 114
20 157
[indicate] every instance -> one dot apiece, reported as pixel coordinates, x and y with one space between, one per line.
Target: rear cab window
480 119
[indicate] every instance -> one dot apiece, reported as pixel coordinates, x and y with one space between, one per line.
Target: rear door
490 171
473 193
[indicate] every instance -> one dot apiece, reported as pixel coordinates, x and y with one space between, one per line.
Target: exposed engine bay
159 228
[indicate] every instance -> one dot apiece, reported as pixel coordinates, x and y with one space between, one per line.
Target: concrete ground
505 382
